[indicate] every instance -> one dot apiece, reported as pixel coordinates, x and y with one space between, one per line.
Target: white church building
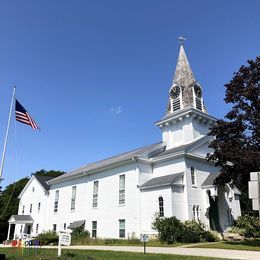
118 197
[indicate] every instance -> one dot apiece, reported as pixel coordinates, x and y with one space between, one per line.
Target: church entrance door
213 214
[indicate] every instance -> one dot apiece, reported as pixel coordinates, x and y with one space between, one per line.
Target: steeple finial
182 39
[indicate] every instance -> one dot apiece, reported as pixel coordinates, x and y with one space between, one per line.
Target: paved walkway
209 252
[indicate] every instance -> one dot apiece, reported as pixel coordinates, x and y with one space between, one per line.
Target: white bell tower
186 118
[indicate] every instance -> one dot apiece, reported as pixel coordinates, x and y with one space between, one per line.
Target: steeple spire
183 74
185 91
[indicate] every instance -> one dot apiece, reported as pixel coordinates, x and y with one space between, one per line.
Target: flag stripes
23 116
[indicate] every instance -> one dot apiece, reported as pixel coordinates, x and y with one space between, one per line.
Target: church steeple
186 119
185 91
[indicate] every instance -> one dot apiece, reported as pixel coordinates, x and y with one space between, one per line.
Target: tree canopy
236 141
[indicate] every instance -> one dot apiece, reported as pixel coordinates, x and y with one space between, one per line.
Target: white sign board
144 238
253 190
65 239
255 204
254 176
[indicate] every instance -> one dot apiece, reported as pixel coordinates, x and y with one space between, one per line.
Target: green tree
236 141
51 173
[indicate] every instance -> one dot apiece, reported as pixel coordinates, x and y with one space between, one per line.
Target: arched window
161 207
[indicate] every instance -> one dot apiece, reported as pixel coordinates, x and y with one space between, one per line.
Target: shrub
172 230
189 236
47 238
79 233
247 226
211 236
169 229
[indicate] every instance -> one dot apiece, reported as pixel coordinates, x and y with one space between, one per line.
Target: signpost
254 190
64 239
144 238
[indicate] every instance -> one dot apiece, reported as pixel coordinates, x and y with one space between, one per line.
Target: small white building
118 197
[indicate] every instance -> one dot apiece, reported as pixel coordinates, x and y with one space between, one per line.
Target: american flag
23 116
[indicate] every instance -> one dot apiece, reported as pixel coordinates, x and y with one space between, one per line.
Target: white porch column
8 234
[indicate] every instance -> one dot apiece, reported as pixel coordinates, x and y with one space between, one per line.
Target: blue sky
95 74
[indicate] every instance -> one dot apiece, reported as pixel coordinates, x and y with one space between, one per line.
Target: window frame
37 228
95 194
94 229
56 201
73 198
121 228
161 206
193 176
121 198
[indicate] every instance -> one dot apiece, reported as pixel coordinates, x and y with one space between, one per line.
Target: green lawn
122 242
251 245
51 254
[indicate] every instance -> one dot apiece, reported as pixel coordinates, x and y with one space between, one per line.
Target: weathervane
182 39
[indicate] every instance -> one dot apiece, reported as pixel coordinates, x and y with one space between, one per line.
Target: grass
51 254
250 245
121 242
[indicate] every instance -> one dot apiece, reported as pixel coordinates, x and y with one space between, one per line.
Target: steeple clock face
197 91
175 92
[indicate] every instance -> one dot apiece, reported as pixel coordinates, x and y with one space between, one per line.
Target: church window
56 201
194 212
73 198
95 195
54 227
39 206
37 228
121 228
122 189
198 212
64 226
21 229
23 209
161 207
193 176
94 229
30 208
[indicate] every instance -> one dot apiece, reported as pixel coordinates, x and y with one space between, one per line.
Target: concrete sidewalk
218 253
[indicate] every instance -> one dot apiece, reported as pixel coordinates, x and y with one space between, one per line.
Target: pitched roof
162 181
144 152
21 218
183 148
210 179
43 179
76 224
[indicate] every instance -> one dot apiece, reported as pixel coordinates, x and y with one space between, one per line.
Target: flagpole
6 134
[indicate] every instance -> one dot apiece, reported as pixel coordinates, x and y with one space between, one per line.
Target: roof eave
85 173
